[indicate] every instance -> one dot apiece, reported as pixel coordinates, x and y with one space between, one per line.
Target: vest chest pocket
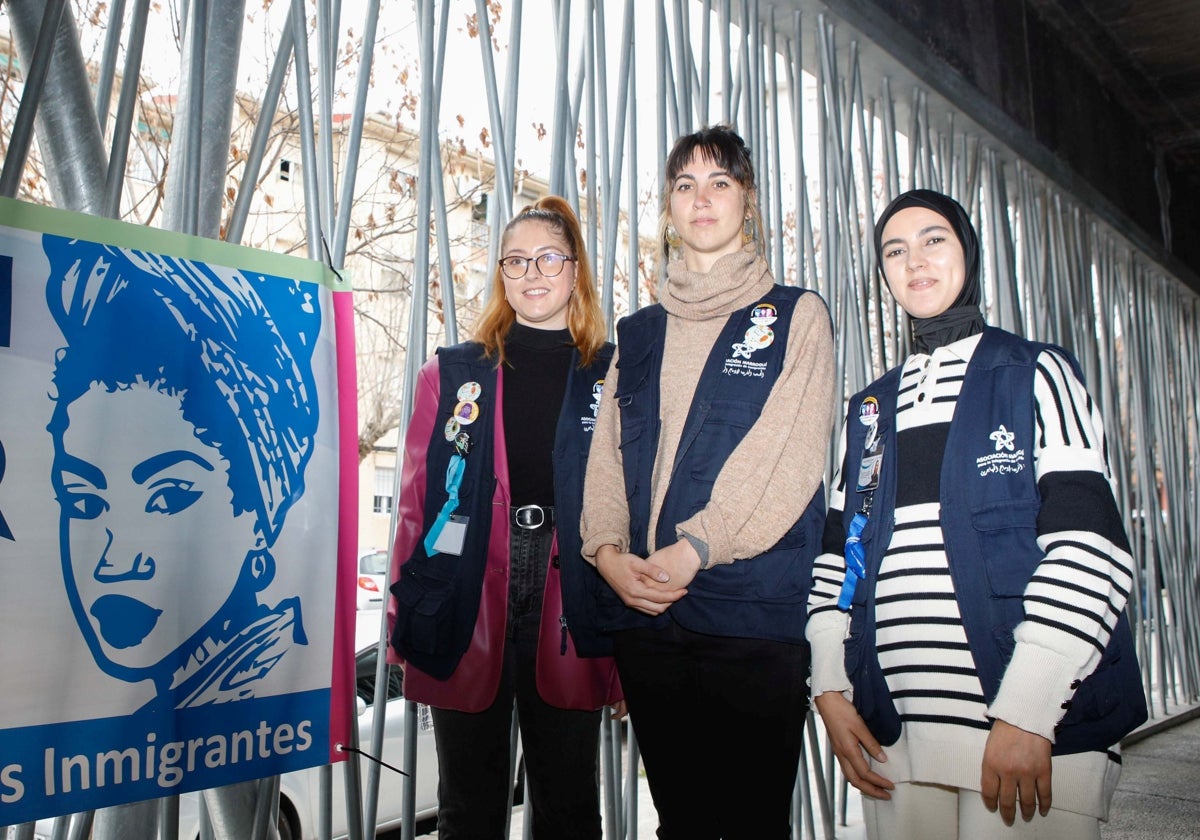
725 424
631 442
1006 536
423 593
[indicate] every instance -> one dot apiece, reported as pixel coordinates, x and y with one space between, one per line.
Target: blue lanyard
454 477
856 567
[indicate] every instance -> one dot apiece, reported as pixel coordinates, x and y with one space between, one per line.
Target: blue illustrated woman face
134 507
184 420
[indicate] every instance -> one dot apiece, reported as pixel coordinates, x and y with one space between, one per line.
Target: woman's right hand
640 584
852 741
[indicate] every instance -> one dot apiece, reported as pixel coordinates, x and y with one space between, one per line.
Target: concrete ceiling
1147 53
1101 96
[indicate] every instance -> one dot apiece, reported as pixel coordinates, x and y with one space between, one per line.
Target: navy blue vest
989 508
572 442
438 597
762 597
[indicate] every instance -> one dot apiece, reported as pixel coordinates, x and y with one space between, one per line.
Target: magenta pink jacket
563 680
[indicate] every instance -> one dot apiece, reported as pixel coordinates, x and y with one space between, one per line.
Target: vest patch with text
1003 457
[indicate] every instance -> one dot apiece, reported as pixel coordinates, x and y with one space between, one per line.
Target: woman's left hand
640 584
680 561
1016 771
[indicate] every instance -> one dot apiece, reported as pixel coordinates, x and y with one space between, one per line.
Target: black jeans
560 746
720 723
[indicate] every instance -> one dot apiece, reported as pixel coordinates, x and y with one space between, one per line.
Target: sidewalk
1159 794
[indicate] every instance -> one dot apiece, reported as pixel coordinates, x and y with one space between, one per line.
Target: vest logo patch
760 336
1003 438
1005 459
735 366
589 423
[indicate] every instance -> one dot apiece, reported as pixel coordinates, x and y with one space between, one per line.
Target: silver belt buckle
524 517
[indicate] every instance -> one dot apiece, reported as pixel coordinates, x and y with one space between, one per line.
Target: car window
374 563
364 677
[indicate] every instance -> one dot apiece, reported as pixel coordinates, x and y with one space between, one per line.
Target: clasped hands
653 584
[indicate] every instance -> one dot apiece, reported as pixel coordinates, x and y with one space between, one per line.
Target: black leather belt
532 517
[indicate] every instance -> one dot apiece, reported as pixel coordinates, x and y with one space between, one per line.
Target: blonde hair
584 319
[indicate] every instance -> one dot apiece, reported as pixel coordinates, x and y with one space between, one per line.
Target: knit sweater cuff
1036 690
826 633
708 527
700 546
594 543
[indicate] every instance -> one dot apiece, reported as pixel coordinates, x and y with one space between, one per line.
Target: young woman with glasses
484 614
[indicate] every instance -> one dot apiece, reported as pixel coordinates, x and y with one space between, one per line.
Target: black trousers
720 723
560 746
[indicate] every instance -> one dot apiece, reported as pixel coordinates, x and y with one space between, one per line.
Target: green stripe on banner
35 217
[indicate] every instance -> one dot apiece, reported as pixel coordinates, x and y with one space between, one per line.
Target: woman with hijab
970 650
703 506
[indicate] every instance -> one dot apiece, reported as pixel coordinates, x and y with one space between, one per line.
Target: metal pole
326 67
445 262
308 151
612 207
341 228
125 109
108 64
563 133
22 130
262 133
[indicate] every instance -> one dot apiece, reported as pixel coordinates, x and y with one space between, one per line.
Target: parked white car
371 576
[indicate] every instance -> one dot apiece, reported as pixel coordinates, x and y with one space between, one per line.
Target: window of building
385 479
479 210
477 236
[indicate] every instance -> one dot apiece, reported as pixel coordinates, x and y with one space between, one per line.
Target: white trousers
935 812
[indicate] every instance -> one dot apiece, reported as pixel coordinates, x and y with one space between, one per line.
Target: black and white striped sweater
1071 603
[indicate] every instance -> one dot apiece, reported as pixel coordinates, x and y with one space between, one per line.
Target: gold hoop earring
749 230
674 240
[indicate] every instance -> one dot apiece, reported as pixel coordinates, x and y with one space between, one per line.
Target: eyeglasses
548 265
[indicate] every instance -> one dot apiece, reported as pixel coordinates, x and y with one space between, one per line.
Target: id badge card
453 536
872 460
868 472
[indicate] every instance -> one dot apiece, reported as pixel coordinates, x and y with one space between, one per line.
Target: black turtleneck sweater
535 380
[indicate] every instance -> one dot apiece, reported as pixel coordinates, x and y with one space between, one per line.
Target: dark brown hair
721 145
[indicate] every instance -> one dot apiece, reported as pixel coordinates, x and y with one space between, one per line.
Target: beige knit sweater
771 476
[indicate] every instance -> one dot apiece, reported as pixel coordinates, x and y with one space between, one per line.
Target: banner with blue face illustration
171 501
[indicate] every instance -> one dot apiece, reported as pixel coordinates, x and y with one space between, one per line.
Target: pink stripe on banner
341 709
